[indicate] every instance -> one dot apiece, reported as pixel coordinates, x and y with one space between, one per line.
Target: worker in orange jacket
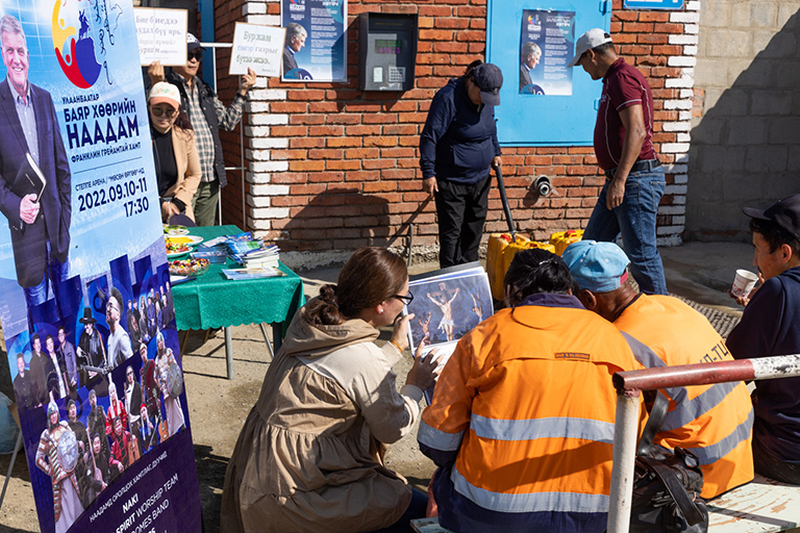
714 421
522 419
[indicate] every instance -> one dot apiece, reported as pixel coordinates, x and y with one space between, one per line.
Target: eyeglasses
197 55
407 299
169 111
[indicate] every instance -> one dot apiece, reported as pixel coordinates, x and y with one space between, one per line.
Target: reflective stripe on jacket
522 420
713 421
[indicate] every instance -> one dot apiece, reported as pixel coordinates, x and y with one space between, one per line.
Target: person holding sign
35 180
207 115
310 455
174 151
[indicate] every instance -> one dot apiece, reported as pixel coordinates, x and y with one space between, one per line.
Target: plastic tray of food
188 267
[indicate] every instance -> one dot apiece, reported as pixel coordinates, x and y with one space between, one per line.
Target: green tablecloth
212 301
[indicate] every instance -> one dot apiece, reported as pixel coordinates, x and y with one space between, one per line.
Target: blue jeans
55 272
635 218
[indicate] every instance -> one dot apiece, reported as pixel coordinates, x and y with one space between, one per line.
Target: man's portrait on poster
35 193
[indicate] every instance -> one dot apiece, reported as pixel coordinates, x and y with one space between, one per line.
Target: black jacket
459 139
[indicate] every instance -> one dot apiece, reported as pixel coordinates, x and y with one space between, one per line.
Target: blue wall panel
542 120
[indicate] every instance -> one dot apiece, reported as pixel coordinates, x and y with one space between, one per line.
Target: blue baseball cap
597 266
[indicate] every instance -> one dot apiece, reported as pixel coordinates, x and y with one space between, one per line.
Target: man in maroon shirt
635 182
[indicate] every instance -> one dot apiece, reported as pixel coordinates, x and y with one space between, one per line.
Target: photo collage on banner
85 300
316 45
547 46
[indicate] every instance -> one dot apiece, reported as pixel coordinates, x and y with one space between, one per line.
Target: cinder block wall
331 168
747 114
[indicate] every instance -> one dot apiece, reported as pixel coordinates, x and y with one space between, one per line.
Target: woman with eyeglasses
310 455
176 160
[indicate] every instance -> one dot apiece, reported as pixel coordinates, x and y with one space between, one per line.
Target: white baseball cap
591 39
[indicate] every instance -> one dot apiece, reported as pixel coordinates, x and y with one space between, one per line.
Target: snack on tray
177 247
188 267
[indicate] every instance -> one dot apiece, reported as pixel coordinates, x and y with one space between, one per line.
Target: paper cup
743 283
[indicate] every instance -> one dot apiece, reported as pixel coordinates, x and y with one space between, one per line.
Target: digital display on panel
388 46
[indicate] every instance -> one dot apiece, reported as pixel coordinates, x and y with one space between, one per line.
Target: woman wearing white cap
176 160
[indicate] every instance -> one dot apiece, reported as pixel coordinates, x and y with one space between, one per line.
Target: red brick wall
348 175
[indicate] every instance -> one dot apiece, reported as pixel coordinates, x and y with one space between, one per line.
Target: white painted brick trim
259 178
267 94
676 169
257 131
678 104
675 148
677 126
269 190
683 39
675 189
684 17
265 20
270 212
681 61
678 83
269 166
267 142
258 201
263 119
254 8
671 210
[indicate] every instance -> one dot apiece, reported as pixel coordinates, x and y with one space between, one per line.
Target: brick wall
332 168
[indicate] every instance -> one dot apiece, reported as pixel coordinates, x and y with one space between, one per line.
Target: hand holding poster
162 35
258 47
80 241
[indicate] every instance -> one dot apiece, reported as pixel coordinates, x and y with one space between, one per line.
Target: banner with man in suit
82 237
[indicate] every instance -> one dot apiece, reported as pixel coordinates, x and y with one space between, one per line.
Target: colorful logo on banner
76 57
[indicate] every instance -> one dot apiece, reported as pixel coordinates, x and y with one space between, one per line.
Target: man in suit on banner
38 207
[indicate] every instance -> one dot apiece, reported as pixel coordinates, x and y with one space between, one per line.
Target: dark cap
192 43
489 79
87 316
785 214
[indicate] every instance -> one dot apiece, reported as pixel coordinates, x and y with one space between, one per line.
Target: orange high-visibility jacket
713 421
522 420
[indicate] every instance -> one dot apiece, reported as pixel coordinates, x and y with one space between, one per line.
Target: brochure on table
85 300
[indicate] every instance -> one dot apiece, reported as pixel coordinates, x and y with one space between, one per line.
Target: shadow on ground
211 475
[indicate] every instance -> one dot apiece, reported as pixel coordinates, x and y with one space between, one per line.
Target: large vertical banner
547 46
85 300
315 48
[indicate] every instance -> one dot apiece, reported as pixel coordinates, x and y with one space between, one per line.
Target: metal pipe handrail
629 386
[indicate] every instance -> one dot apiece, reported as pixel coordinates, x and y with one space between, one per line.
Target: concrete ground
700 272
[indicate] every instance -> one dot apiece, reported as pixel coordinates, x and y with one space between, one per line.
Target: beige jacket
188 162
309 456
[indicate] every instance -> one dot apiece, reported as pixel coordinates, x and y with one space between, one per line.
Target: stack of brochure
252 253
